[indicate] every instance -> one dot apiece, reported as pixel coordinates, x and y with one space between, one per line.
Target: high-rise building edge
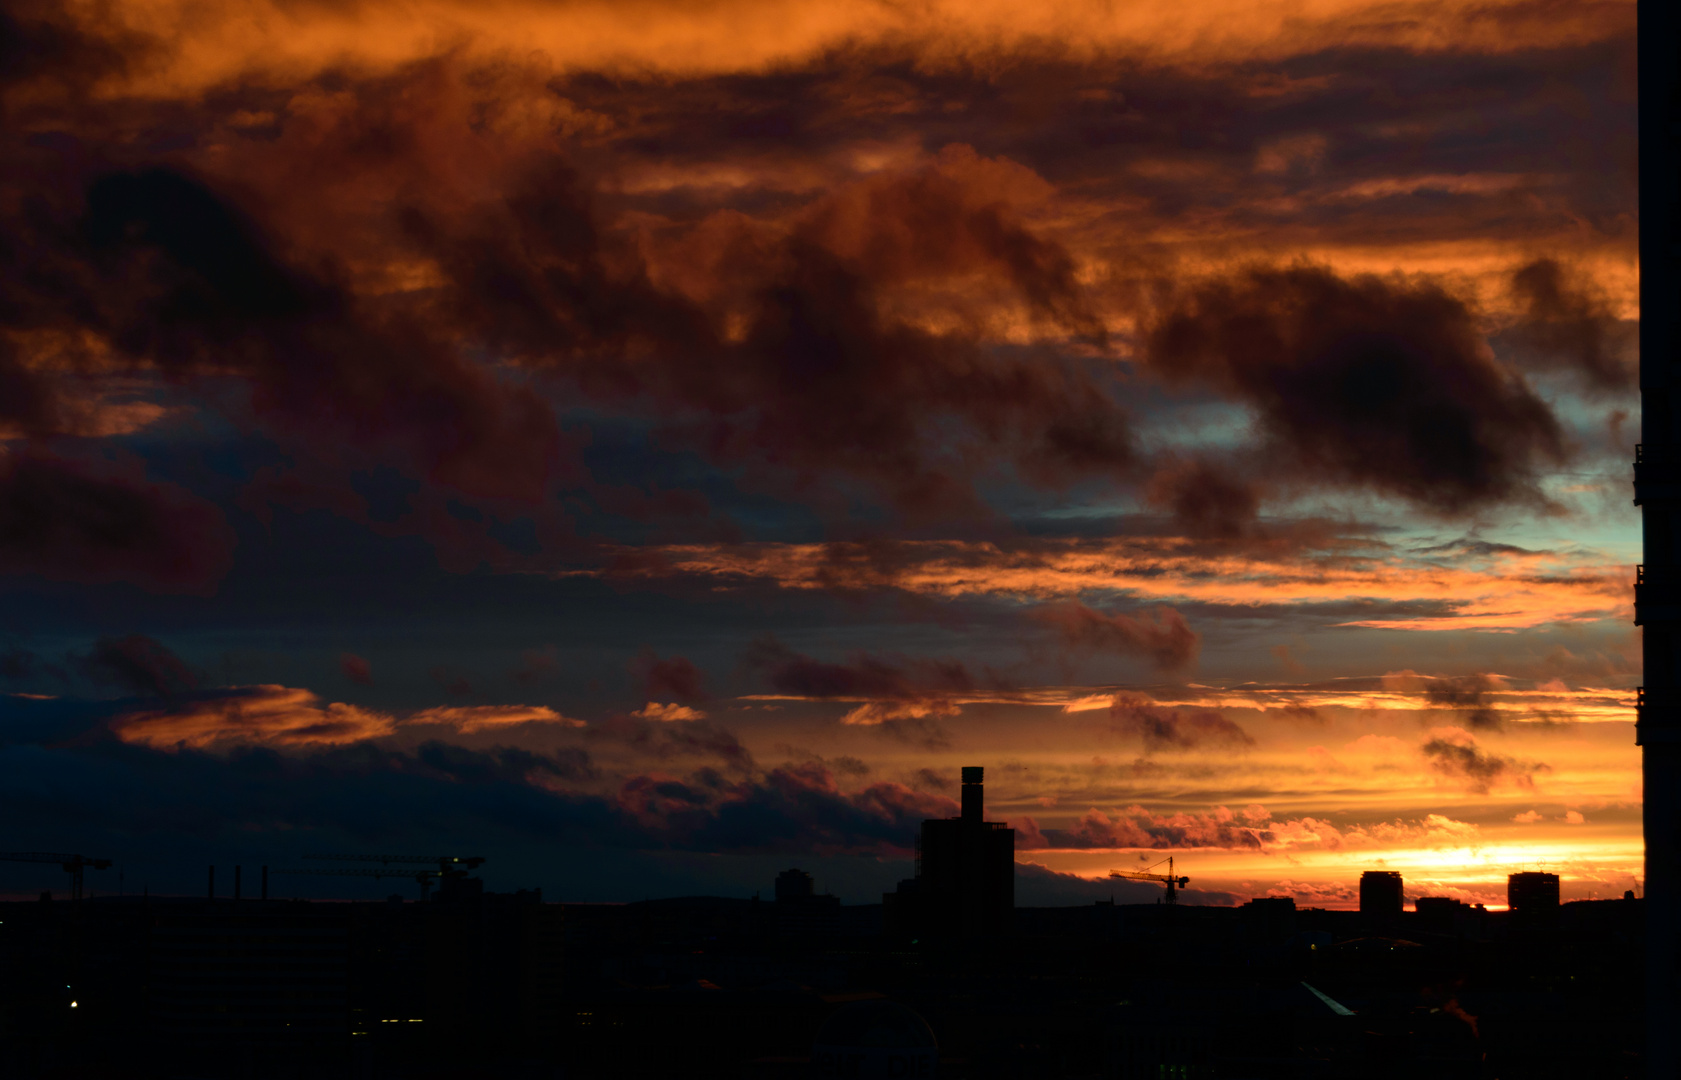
1657 491
1381 895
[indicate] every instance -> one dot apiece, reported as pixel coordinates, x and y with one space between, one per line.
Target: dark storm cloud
191 285
1040 886
1301 714
1384 383
1163 637
799 366
506 764
18 663
450 681
796 807
94 520
356 669
673 678
863 677
363 790
1206 500
1479 770
922 732
535 665
42 46
1137 827
664 740
1568 323
1340 134
822 376
1163 728
1471 693
793 344
137 665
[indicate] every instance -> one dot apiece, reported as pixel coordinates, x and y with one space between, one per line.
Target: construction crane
1174 884
424 877
72 864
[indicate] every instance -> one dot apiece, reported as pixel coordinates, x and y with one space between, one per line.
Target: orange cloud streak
199 44
1503 590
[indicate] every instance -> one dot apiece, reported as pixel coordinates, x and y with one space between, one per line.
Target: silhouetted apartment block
1533 897
1445 915
1380 894
794 885
965 874
801 911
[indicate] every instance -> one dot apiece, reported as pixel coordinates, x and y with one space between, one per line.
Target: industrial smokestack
974 805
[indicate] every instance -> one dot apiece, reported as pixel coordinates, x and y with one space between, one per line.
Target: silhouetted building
1439 906
966 871
1445 915
803 912
900 916
1533 896
1657 490
794 885
1380 894
1272 905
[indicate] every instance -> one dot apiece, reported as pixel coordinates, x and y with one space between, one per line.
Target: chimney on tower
974 806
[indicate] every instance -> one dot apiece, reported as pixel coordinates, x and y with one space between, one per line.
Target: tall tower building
966 870
1657 491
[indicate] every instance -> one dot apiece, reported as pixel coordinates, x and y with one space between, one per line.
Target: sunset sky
656 444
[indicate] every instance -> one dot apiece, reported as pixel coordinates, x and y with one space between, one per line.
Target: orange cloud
1477 590
673 712
470 718
282 715
197 44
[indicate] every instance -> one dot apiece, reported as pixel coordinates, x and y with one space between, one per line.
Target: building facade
965 886
1657 490
1381 898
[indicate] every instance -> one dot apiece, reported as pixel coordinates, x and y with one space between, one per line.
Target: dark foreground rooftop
508 985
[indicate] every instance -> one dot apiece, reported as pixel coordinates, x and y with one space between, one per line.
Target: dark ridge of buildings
475 983
506 984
